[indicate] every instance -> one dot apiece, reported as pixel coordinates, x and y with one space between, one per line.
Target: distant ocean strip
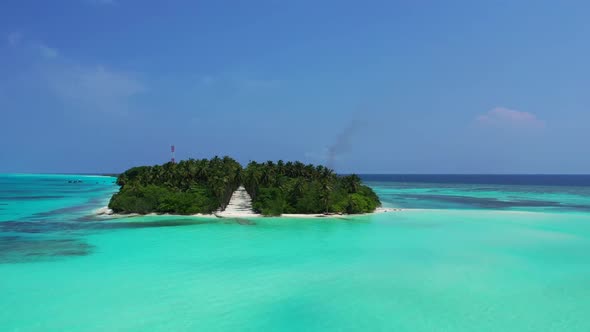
512 179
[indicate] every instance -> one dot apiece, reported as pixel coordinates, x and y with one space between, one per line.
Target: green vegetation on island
188 187
294 187
204 186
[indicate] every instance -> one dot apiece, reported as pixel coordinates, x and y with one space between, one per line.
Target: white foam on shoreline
104 211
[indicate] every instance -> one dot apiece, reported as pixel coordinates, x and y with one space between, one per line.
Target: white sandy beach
239 206
108 214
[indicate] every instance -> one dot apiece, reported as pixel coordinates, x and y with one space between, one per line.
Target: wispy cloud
14 38
46 51
509 118
93 87
81 86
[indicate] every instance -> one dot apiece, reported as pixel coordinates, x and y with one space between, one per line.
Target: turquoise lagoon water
458 257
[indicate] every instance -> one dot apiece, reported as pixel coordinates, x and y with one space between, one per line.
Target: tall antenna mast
172 153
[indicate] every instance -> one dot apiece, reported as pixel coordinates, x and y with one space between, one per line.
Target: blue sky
386 86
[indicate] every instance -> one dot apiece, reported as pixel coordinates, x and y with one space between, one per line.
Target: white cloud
505 117
14 38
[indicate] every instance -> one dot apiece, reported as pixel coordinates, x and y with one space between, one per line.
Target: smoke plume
343 142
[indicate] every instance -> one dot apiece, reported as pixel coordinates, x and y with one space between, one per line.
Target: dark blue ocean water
497 192
503 179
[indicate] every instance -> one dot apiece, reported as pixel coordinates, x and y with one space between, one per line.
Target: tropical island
205 186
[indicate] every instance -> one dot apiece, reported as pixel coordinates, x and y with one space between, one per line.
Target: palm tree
352 183
325 193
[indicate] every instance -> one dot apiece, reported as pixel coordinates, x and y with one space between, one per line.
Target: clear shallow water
446 266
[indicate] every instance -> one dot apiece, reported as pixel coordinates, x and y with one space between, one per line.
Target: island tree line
294 187
204 186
